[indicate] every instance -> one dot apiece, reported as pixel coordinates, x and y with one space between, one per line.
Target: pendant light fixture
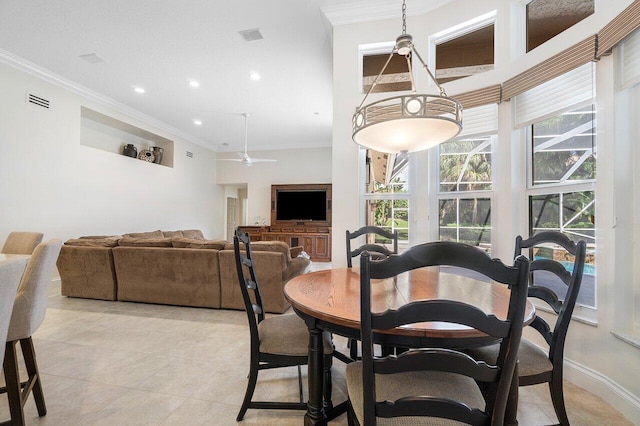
411 122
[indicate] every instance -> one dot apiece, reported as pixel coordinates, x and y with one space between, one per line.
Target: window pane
564 147
465 165
548 18
395 77
572 213
386 173
466 55
390 215
467 221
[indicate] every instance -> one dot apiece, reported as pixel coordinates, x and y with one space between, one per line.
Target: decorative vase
130 151
146 155
157 154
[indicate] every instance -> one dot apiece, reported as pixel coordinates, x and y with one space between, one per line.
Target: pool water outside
589 269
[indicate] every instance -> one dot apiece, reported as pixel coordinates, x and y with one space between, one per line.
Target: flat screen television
301 205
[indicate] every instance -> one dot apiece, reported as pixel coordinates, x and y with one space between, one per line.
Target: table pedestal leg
511 412
315 411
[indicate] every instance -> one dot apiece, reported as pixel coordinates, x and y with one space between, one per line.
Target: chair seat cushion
428 383
288 335
531 359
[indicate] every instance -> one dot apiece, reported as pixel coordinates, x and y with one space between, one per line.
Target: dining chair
10 275
21 242
436 385
547 277
375 250
276 341
29 309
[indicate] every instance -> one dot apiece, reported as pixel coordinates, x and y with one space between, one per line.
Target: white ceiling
161 44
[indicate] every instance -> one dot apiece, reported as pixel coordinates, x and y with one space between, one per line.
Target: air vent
37 100
251 35
189 154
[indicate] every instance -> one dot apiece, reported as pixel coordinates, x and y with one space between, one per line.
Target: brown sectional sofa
174 268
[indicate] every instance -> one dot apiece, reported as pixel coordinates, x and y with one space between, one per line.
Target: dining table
329 300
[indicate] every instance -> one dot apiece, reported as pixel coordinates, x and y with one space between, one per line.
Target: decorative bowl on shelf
146 155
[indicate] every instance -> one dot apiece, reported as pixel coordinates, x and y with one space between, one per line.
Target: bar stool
22 242
29 309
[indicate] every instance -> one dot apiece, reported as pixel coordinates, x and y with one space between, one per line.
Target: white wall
51 183
312 165
595 359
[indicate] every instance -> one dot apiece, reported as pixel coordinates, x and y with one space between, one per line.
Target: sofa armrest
87 272
295 251
297 266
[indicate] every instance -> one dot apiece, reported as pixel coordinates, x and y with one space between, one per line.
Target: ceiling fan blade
237 160
262 160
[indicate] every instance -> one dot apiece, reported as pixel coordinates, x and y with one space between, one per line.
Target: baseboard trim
615 395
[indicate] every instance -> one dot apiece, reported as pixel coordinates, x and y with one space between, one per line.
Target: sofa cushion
193 233
172 234
92 242
145 242
97 237
275 246
181 242
152 234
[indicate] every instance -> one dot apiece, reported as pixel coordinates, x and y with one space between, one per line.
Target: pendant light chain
404 17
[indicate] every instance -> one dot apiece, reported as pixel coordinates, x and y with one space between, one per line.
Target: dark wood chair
276 341
375 250
537 365
429 385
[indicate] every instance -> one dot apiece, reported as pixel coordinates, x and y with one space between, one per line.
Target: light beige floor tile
118 363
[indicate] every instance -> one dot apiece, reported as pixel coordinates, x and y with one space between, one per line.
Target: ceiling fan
244 156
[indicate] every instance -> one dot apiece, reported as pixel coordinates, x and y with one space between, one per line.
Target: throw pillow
193 233
152 234
181 242
172 234
92 242
145 242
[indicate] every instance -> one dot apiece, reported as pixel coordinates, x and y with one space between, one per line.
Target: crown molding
55 79
368 11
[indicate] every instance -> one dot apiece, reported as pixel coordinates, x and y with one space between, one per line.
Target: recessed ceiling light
138 89
197 122
194 83
253 75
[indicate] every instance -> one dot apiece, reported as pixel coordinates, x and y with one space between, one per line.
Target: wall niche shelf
109 134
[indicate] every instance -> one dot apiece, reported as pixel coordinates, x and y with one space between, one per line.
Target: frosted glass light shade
407 123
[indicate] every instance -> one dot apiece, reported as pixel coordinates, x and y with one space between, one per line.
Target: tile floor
118 363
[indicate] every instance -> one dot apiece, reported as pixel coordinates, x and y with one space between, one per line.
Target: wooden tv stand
315 240
314 236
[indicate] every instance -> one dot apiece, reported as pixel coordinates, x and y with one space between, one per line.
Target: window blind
480 120
620 27
568 59
556 95
628 61
484 96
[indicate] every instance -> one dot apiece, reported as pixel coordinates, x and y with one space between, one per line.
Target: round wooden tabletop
333 297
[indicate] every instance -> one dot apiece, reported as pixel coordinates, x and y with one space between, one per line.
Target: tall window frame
533 107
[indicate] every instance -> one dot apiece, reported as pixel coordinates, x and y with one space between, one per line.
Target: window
395 77
548 18
464 188
386 194
562 186
564 148
468 54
